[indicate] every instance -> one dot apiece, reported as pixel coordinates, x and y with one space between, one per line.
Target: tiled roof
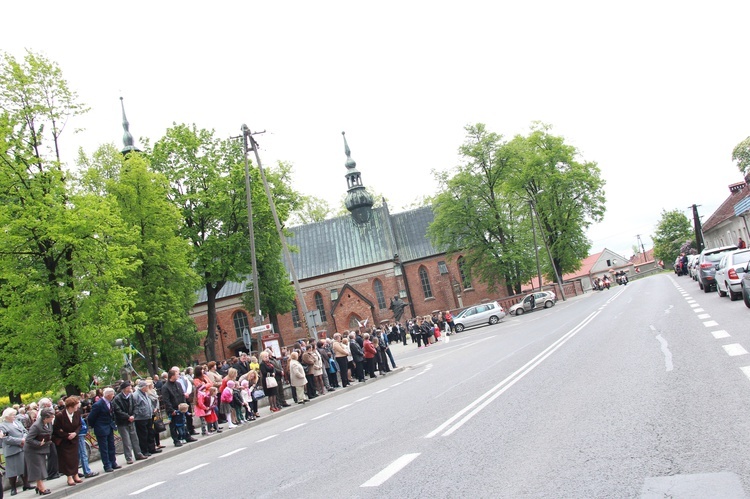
726 210
229 289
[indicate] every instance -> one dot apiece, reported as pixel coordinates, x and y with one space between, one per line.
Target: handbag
258 394
159 426
271 382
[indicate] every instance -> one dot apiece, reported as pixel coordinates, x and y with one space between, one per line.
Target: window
425 280
240 322
442 267
463 270
379 293
334 294
320 307
295 315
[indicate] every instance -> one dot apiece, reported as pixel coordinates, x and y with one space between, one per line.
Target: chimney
737 187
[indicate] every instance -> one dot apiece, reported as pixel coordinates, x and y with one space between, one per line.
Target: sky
654 92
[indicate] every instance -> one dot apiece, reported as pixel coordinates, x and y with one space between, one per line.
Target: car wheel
746 297
732 295
494 320
706 288
520 311
718 290
459 328
548 304
700 284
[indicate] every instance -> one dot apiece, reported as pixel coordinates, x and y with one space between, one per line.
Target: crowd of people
43 441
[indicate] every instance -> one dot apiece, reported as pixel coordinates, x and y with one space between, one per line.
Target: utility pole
536 247
698 228
287 255
643 250
258 318
549 253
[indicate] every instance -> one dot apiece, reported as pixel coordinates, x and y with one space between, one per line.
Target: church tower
358 201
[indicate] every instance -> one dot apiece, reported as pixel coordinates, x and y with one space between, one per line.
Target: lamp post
536 247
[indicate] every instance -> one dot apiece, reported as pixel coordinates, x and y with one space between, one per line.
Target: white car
729 273
486 313
542 299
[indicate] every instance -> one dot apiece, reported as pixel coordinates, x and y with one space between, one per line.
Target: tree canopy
673 234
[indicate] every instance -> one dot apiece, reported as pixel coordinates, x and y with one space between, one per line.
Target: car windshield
742 257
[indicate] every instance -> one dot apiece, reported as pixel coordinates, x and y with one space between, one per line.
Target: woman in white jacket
297 378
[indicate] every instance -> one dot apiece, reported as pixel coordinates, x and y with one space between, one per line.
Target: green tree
672 232
311 210
477 216
165 282
741 155
63 253
568 193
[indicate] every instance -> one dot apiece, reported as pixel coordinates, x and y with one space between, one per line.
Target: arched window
379 293
295 315
425 280
465 273
320 307
240 322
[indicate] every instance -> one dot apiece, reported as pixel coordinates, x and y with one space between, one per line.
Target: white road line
710 323
235 451
344 407
505 384
192 469
144 489
267 438
693 305
704 316
321 416
295 427
396 384
698 310
746 370
390 470
381 391
667 354
720 334
363 398
734 349
409 379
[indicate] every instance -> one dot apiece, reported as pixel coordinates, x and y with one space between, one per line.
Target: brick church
349 269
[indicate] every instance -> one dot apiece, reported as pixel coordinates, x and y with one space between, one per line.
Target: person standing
14 439
369 353
297 378
172 396
358 358
268 370
143 410
340 353
102 420
52 469
125 420
37 448
65 430
741 244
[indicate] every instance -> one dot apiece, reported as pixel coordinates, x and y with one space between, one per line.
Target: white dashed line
697 310
735 349
710 323
381 391
704 316
295 427
390 470
396 384
321 416
267 438
746 370
720 334
693 305
363 398
144 489
192 469
344 407
235 451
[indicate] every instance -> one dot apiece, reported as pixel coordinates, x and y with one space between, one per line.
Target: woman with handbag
36 450
297 378
256 391
14 439
268 380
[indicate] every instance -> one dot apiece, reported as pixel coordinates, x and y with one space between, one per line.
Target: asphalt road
638 391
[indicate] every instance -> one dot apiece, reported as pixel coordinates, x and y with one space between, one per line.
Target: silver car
486 313
729 274
708 263
534 301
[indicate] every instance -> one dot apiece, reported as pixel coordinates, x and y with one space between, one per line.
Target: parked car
478 315
707 265
729 274
541 299
745 284
693 266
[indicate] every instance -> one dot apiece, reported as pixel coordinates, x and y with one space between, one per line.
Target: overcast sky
655 92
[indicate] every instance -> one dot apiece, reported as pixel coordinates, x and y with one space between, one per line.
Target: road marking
693 305
344 407
267 438
409 379
381 391
746 370
235 451
390 470
321 416
704 316
363 398
720 334
667 354
698 310
710 323
295 427
480 403
735 349
192 469
396 384
144 489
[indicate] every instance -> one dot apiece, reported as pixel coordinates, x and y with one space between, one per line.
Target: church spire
127 138
358 201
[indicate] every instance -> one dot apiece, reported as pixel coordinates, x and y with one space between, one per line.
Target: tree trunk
210 342
15 398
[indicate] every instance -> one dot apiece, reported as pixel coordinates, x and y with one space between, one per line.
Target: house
729 222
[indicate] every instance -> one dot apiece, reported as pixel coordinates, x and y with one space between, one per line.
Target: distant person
741 244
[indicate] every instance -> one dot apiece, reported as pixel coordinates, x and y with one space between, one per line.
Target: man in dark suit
101 419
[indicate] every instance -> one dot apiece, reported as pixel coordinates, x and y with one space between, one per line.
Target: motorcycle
621 278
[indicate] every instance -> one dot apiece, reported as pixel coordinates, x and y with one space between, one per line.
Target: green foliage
673 231
311 210
741 155
63 253
164 283
482 210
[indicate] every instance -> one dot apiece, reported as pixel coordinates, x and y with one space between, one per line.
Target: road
639 391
